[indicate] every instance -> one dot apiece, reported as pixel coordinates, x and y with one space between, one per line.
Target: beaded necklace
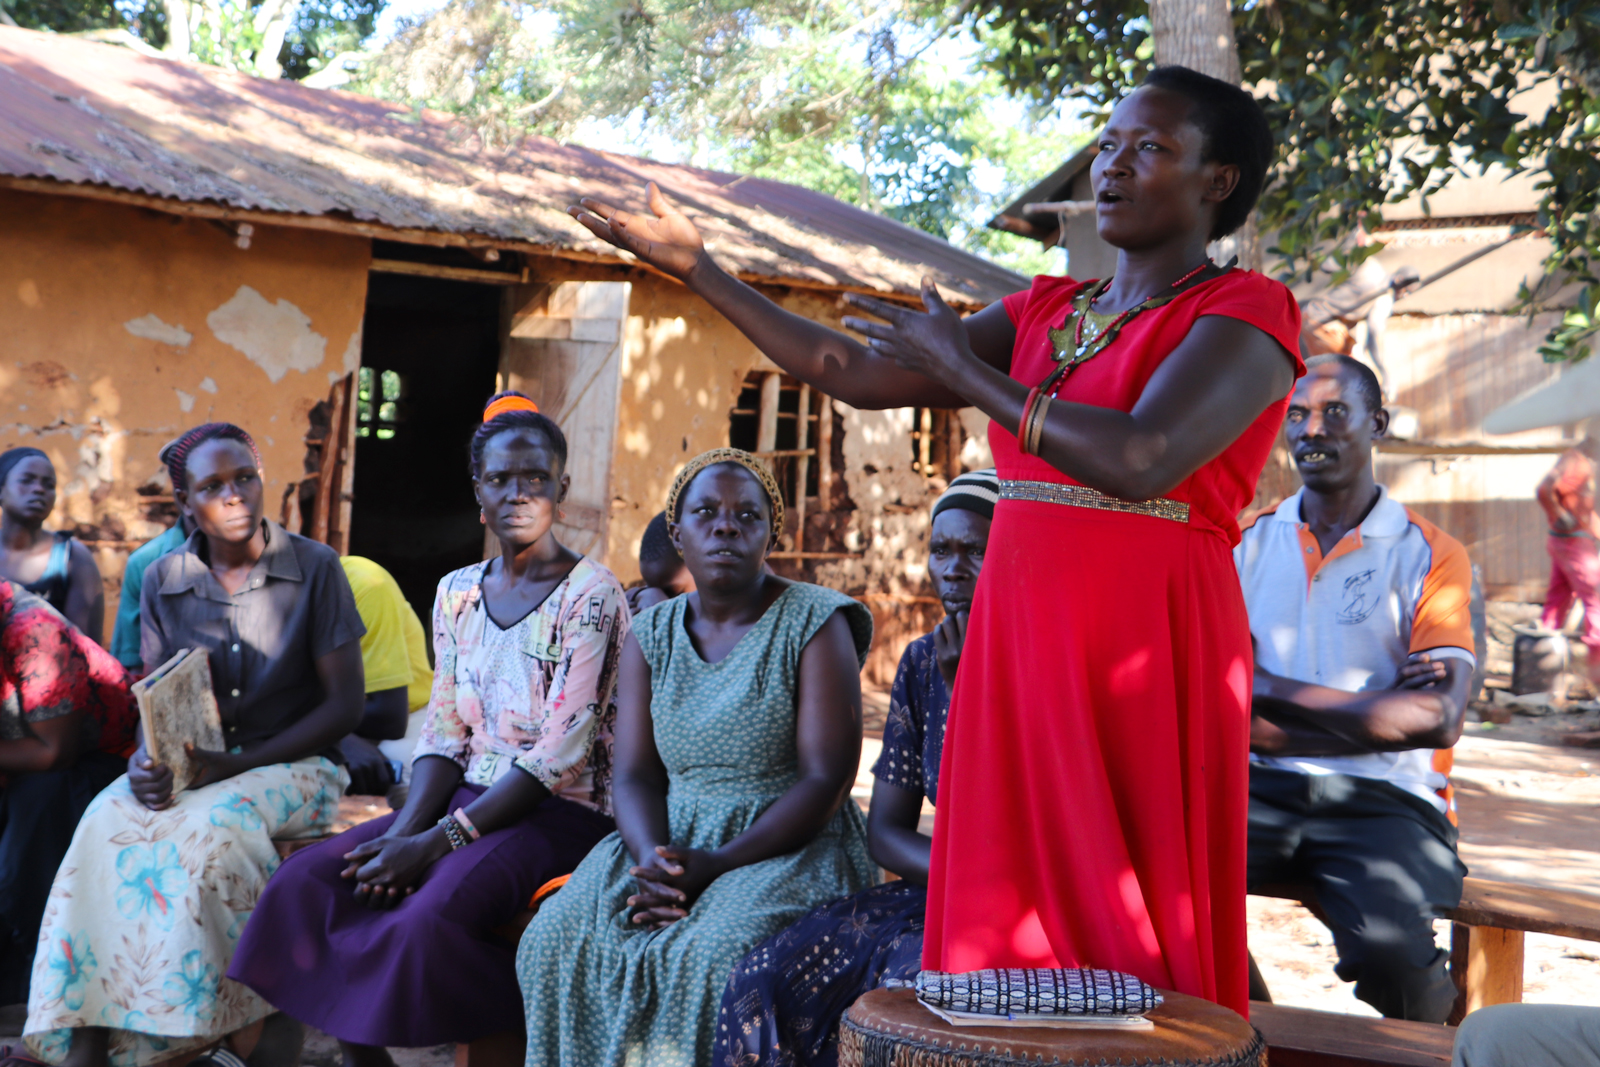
1065 339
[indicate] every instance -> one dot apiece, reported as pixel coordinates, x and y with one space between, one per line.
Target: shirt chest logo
1358 599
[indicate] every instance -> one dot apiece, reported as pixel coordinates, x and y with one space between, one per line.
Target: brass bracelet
1036 429
1022 423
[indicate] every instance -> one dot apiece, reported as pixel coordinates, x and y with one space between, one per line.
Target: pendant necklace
1071 350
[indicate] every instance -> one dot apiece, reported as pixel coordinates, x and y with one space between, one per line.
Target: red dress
1094 784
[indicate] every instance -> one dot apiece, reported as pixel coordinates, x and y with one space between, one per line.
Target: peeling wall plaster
151 327
99 367
277 337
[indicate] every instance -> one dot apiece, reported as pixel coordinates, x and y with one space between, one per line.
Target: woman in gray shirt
151 899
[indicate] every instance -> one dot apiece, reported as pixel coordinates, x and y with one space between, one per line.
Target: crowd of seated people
683 750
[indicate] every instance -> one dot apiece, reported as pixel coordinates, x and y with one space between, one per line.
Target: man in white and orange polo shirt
1359 613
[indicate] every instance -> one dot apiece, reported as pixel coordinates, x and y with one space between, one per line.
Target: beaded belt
1081 496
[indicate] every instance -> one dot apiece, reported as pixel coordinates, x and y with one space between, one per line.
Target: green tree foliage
1373 101
291 38
846 97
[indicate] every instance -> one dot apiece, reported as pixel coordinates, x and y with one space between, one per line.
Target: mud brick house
349 279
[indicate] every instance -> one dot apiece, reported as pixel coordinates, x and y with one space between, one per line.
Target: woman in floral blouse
384 936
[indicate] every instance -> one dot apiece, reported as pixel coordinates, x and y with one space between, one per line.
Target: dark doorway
429 357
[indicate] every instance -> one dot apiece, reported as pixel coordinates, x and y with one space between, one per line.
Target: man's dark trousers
1383 863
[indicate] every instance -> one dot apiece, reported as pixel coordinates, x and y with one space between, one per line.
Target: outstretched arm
1203 396
1424 709
825 359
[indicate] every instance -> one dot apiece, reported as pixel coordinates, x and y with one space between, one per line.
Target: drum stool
889 1028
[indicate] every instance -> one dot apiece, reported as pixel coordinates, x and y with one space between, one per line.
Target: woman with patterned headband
386 935
784 999
738 735
147 906
1096 775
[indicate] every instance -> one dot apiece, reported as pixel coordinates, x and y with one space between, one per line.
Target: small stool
889 1028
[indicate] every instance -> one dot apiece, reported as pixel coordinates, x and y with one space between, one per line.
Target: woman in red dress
1094 771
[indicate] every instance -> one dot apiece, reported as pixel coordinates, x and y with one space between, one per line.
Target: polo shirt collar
279 561
1387 518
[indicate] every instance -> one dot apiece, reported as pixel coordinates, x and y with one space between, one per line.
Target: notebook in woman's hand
177 707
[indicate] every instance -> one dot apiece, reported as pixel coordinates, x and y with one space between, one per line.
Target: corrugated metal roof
78 112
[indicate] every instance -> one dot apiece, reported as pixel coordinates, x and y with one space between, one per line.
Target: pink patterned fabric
539 695
1574 573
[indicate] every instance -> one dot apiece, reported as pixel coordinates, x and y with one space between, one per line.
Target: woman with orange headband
385 935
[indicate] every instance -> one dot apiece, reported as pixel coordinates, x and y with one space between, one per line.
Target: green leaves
1374 103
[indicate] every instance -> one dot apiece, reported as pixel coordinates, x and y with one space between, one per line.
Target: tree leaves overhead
1373 102
843 96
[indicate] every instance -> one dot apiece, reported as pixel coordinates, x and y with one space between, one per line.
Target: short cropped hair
656 544
1236 133
1366 381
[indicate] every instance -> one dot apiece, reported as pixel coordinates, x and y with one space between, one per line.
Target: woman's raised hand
668 242
933 342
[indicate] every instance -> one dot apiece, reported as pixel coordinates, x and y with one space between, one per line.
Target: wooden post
825 452
336 475
802 467
346 489
925 440
767 416
1486 963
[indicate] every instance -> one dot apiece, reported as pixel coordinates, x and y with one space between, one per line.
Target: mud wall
124 326
682 369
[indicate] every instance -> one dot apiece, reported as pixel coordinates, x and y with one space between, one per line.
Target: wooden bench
1487 933
1301 1037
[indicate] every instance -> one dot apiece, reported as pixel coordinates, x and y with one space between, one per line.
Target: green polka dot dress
601 992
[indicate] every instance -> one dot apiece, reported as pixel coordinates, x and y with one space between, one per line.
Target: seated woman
385 936
738 736
66 730
149 901
53 565
784 1000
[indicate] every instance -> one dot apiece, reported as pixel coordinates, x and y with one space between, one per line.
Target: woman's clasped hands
388 869
670 880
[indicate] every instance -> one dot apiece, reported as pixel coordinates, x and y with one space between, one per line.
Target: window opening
790 425
936 439
378 396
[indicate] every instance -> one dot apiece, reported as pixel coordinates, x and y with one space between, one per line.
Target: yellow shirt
394 651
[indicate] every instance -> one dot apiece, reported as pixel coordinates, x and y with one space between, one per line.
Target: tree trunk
1198 34
178 35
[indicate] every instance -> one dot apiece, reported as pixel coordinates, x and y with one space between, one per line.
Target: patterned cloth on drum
1052 991
888 1028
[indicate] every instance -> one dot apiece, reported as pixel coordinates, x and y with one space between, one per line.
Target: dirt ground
1528 814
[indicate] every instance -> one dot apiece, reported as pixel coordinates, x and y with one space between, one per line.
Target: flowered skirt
148 906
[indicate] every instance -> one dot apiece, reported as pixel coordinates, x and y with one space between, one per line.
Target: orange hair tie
509 403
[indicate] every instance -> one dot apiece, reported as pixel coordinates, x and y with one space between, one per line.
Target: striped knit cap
975 491
175 454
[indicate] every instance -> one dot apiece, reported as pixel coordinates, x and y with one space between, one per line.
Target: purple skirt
427 972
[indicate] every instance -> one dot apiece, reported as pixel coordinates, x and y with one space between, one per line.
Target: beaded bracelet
453 832
460 816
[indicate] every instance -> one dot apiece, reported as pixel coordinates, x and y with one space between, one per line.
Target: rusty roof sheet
80 112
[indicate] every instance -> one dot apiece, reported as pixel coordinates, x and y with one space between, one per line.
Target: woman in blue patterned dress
784 1000
738 735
